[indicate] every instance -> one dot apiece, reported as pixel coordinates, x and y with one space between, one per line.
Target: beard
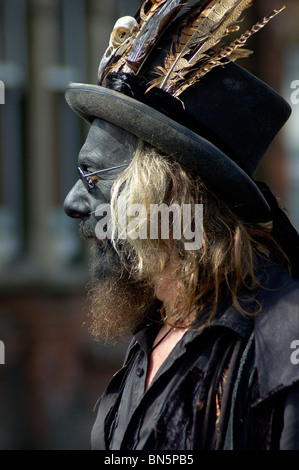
119 304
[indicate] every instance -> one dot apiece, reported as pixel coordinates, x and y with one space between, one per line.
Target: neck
166 290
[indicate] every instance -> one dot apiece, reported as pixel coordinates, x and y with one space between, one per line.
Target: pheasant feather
210 27
194 29
229 16
231 52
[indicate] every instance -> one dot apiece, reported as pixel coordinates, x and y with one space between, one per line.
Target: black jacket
260 404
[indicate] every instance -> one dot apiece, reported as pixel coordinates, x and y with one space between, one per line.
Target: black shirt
177 412
138 412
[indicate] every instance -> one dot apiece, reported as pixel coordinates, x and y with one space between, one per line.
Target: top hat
208 113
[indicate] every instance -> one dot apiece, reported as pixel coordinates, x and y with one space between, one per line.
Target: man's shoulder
279 284
276 331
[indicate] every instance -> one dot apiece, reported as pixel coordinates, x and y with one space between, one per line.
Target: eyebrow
84 159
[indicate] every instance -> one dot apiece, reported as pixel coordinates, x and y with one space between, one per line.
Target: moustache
115 251
101 246
87 230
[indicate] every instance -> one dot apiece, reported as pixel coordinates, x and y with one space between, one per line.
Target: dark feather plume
196 29
230 53
150 32
206 31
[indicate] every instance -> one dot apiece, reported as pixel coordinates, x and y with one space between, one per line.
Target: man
175 124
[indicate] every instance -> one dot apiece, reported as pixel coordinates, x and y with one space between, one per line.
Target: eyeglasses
86 178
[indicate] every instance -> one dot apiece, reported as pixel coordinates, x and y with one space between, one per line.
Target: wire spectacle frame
85 177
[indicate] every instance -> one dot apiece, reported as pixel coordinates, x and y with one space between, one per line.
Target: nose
76 203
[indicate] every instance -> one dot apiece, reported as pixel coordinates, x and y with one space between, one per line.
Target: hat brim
177 141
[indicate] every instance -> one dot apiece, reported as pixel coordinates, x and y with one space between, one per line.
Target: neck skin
166 291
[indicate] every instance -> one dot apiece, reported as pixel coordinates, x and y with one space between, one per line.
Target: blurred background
54 371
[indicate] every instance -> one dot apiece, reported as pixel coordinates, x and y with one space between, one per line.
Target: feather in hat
196 27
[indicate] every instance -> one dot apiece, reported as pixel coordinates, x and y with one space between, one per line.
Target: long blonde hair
230 245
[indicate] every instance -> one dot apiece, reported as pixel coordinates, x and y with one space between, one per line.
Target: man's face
115 297
106 146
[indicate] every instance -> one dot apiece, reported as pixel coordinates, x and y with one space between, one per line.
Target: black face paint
107 146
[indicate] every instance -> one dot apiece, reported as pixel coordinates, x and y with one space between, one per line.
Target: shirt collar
227 315
228 318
